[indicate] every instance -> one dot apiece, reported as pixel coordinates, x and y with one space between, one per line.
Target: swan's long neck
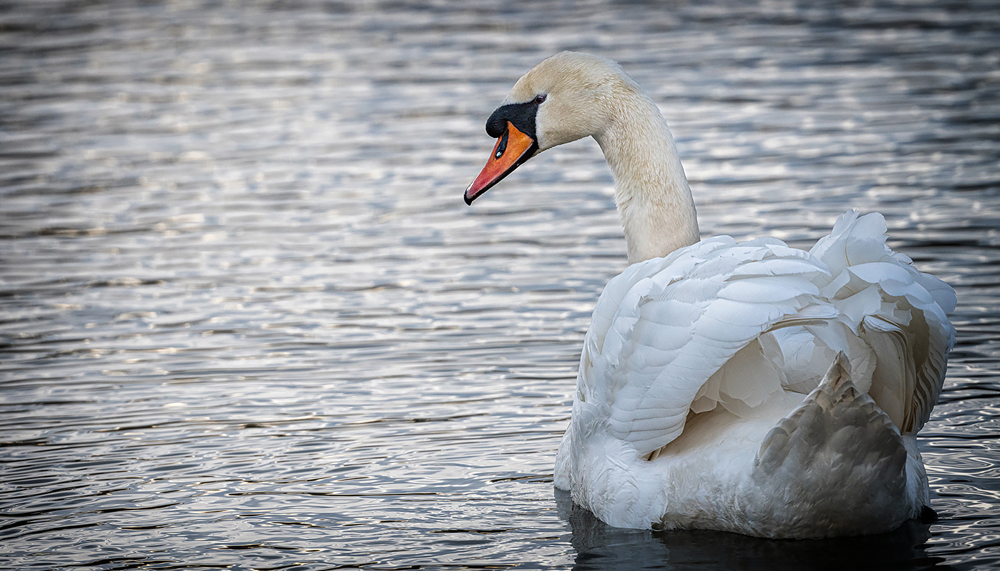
651 191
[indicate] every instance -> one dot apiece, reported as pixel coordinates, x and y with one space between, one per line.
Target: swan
746 387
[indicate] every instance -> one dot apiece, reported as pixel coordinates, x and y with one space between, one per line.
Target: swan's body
750 387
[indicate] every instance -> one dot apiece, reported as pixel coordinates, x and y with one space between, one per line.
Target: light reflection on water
248 321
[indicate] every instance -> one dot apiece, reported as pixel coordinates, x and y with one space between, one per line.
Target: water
247 321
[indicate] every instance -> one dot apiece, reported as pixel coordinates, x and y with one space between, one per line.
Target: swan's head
566 97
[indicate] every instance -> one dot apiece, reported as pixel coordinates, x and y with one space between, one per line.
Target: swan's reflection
600 546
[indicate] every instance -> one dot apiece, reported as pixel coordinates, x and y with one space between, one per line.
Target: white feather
741 333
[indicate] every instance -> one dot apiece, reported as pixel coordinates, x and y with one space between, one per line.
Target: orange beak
511 150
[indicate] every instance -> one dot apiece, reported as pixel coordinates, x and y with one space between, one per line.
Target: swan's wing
726 323
665 326
897 310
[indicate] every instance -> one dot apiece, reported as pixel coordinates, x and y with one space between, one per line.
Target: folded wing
727 324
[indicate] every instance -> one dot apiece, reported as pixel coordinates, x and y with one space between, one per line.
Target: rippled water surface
246 320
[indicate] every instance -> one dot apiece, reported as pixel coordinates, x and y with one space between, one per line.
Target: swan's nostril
501 146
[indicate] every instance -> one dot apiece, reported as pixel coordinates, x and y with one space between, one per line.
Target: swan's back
741 333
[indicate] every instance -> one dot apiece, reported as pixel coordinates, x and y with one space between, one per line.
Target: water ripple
248 322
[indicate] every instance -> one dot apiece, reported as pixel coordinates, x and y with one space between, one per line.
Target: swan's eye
539 99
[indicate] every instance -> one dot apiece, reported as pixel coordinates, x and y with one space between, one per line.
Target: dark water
247 322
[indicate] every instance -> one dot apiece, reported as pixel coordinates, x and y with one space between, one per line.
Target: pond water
247 321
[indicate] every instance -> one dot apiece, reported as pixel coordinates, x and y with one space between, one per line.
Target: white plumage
749 387
719 342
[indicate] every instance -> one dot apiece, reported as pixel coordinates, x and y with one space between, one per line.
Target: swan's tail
836 465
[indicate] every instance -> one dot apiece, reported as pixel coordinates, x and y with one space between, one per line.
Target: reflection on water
246 319
599 546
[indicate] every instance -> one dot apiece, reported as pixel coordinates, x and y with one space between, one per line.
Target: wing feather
693 326
679 320
909 330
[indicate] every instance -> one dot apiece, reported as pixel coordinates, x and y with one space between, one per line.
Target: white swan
748 387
